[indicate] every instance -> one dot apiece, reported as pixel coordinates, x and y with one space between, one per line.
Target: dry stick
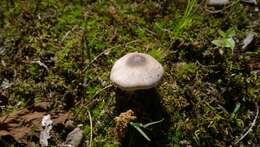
41 64
97 93
67 33
91 128
218 11
104 52
99 55
251 125
101 90
89 114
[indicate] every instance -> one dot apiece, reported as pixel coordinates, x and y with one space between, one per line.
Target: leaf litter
28 122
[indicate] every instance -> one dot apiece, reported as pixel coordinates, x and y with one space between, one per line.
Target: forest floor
56 58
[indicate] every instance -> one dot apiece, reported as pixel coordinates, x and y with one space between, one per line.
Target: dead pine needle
251 125
91 128
93 99
221 10
41 64
67 33
106 51
101 90
97 57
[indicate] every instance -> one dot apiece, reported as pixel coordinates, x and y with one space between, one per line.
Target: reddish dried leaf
22 123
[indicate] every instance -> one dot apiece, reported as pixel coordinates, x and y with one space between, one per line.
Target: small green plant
234 113
226 39
186 20
139 127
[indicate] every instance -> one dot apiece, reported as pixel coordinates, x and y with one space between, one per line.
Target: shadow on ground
147 107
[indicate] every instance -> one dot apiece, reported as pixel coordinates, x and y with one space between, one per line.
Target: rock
248 40
218 2
74 138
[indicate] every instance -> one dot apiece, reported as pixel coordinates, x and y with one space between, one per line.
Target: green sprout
139 127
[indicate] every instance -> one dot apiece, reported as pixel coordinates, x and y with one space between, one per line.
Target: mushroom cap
136 71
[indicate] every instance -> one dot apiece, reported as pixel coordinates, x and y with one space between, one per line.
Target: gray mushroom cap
136 71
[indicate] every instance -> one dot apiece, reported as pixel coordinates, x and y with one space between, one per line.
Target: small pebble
218 2
74 138
248 40
250 1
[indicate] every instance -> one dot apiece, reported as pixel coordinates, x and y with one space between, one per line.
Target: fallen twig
101 90
93 98
91 128
251 125
218 11
67 33
41 64
106 51
99 55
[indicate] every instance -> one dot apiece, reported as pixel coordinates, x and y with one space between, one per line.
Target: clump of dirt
121 124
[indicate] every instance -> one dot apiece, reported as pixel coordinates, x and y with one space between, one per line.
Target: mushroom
136 76
136 71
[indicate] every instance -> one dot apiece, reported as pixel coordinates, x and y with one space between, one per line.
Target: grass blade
137 127
152 123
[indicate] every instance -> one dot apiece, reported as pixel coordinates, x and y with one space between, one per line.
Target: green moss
208 92
157 54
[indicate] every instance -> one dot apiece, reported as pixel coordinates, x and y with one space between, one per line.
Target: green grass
185 21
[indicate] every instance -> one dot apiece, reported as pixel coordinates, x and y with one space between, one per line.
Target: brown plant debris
121 123
20 125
